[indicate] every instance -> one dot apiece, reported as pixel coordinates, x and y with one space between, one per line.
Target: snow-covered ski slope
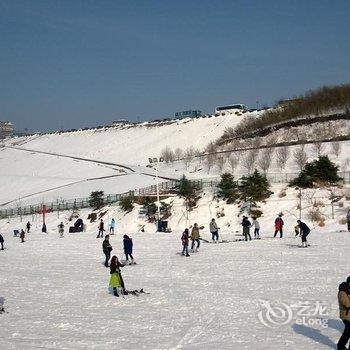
33 177
56 290
133 144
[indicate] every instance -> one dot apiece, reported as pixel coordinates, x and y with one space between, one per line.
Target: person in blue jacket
128 248
304 231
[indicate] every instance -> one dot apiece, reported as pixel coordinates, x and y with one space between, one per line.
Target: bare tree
220 163
265 158
167 154
345 164
318 148
233 160
300 157
178 153
189 154
336 148
282 155
248 159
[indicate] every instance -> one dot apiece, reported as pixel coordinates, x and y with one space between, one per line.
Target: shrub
341 204
314 215
149 205
321 170
342 221
96 199
321 223
282 194
92 217
257 213
126 204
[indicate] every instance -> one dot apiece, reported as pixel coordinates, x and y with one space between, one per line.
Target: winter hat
348 280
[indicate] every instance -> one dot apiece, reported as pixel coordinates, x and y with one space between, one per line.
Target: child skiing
116 280
279 225
246 228
127 242
256 225
195 237
61 229
184 240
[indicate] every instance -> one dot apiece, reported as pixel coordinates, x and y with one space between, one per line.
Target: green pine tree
228 188
254 187
96 199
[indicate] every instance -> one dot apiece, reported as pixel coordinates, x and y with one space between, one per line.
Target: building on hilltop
188 114
230 109
6 129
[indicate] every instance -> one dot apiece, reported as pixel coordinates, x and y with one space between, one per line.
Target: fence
78 203
165 187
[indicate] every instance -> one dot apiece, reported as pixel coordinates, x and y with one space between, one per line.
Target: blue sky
75 63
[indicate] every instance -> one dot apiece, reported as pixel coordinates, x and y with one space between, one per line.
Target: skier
22 236
116 280
344 307
61 229
304 231
256 225
28 227
195 237
2 241
348 219
246 228
279 225
214 230
184 240
127 242
101 229
111 227
107 248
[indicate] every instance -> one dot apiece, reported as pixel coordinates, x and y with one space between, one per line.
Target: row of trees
254 158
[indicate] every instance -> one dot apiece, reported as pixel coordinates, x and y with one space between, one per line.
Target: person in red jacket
279 225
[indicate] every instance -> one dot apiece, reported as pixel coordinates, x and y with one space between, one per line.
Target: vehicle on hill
230 108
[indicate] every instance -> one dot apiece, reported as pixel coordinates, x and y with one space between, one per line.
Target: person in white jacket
256 225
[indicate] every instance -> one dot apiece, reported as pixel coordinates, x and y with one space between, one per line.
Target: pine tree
96 199
187 190
254 187
228 187
319 170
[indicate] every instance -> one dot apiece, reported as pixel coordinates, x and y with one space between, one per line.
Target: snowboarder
107 248
246 228
111 227
101 229
256 225
195 237
22 235
348 219
2 241
61 229
184 240
116 280
214 230
344 307
279 225
28 227
127 242
304 231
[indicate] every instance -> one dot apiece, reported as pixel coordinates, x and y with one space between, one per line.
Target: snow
56 289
